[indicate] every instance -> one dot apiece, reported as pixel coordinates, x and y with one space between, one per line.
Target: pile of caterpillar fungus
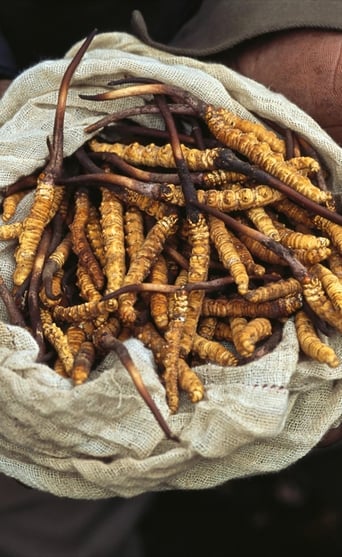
199 239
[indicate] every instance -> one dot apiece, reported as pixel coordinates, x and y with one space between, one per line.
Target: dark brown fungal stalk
110 343
188 188
104 122
137 173
33 291
116 182
227 159
47 196
15 315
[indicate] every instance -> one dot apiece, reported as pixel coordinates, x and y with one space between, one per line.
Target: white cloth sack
100 440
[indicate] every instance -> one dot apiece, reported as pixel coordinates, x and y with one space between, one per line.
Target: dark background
297 511
37 30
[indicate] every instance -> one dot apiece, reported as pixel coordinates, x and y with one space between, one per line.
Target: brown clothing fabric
219 25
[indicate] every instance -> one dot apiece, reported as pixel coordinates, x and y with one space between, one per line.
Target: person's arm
290 47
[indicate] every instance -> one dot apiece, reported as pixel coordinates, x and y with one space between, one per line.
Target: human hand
4 83
305 65
333 436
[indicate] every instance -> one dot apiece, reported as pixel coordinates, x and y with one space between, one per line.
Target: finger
4 83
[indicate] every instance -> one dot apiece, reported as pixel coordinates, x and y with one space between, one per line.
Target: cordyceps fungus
32 251
200 239
260 146
265 153
47 196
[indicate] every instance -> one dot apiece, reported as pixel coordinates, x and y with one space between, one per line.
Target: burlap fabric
100 440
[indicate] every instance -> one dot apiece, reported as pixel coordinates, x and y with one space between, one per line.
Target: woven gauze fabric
100 440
